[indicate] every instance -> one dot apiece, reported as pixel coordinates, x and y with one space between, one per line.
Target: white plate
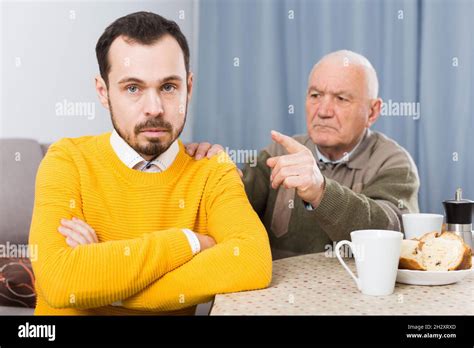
407 276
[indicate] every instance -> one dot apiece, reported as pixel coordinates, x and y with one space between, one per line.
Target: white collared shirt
133 160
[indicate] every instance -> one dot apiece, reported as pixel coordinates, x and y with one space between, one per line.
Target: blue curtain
254 58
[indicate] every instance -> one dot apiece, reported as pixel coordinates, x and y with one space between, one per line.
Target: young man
126 222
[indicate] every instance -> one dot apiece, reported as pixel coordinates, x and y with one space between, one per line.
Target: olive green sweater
369 190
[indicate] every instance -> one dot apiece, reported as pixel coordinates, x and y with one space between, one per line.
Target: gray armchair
19 161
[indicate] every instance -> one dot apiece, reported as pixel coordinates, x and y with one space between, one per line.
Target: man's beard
153 147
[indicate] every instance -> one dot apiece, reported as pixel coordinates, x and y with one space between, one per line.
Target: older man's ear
375 108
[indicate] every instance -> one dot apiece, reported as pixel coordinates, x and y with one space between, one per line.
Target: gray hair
350 57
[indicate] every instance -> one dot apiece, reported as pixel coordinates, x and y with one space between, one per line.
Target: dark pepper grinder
459 217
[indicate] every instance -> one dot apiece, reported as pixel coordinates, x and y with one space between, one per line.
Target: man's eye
132 89
342 98
169 88
315 95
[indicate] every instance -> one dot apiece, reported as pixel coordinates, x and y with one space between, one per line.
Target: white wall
47 57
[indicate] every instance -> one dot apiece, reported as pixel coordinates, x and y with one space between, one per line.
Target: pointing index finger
290 144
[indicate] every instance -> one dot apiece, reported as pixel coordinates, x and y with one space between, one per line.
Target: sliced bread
435 252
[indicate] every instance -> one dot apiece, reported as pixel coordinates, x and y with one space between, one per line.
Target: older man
314 189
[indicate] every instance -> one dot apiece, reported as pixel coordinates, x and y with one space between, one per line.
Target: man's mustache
154 123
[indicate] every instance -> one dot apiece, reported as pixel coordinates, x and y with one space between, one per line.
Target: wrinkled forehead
337 74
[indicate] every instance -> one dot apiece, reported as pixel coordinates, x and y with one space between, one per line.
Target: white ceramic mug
416 225
376 254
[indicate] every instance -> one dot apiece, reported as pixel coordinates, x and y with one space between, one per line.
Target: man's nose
152 104
326 107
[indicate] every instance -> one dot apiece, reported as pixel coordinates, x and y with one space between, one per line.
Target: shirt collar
345 158
131 158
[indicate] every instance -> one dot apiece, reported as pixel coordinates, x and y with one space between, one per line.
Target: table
318 285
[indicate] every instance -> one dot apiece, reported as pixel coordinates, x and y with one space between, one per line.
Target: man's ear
190 85
375 107
102 92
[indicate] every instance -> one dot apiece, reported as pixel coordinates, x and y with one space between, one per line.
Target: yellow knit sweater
143 258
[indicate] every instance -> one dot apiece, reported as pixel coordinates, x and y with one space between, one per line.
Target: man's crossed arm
150 272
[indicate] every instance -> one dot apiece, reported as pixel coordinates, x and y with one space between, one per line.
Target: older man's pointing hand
297 170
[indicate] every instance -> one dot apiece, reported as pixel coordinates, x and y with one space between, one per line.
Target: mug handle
338 254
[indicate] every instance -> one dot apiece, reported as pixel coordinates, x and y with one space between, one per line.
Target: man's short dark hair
145 28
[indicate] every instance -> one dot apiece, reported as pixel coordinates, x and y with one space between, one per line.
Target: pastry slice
447 252
410 255
435 252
